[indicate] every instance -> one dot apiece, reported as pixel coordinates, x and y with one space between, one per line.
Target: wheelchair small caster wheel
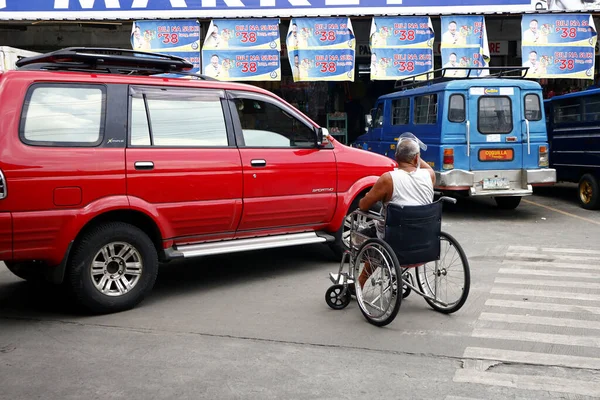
405 289
335 299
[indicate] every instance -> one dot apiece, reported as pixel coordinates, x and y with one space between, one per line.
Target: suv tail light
543 157
2 186
448 159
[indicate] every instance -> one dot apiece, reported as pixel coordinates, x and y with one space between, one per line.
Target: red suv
107 169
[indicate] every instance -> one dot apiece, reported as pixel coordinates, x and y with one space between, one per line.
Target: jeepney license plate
496 183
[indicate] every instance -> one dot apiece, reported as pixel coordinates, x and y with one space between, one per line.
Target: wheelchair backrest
414 232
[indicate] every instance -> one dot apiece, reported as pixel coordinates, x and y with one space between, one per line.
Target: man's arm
424 165
381 191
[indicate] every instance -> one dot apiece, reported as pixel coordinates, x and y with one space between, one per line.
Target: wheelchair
378 272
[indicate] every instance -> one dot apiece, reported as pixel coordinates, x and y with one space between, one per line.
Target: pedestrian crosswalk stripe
526 357
532 305
524 336
528 382
553 250
545 282
561 265
538 272
552 257
545 293
536 320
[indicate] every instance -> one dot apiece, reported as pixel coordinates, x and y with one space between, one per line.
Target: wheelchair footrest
338 279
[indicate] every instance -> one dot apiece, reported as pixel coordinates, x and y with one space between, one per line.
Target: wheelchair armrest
372 215
448 199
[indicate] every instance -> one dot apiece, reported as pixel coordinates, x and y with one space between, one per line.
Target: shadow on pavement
24 299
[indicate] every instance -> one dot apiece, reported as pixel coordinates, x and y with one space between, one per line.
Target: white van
10 55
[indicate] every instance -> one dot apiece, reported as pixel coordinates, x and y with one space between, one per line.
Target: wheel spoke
97 268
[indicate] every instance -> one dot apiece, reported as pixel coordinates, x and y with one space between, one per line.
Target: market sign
167 9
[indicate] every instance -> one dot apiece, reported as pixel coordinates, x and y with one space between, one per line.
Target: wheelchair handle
448 199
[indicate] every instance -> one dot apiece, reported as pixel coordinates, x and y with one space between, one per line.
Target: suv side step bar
259 243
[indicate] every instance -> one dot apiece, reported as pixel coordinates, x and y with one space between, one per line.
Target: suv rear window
63 115
494 115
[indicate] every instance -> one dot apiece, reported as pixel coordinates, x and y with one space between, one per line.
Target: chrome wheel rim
361 220
585 192
116 269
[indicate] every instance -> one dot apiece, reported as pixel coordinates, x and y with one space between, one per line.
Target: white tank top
410 189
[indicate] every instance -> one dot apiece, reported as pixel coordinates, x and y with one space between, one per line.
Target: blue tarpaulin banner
216 9
401 47
321 49
179 38
242 50
464 45
559 46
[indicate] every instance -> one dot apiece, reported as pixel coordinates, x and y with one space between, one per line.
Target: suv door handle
144 165
258 163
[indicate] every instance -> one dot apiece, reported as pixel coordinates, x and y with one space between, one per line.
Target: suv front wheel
112 268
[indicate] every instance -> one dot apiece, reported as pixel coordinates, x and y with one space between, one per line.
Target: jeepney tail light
448 159
543 157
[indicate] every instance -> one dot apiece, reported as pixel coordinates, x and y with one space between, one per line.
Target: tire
99 282
589 192
389 268
425 285
335 299
508 203
30 271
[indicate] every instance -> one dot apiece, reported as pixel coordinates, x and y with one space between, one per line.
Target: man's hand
381 191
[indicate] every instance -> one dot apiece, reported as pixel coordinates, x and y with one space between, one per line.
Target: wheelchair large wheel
377 279
448 280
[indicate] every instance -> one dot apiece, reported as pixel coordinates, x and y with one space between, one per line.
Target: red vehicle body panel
192 195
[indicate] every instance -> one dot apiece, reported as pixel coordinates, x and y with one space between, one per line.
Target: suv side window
64 115
266 125
176 117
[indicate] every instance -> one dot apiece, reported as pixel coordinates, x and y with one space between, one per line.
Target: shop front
338 102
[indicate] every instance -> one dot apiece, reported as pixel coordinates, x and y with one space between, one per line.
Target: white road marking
532 305
545 293
537 337
544 282
526 357
535 320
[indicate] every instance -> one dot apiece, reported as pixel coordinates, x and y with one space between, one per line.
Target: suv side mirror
321 133
369 120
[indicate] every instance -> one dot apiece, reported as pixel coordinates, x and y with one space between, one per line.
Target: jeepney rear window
494 115
425 109
533 110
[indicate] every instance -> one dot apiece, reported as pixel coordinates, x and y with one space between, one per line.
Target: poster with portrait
558 45
321 49
242 50
465 44
401 47
179 38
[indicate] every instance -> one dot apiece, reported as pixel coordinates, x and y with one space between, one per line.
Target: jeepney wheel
589 192
508 203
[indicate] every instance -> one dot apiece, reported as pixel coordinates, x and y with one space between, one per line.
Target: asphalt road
256 326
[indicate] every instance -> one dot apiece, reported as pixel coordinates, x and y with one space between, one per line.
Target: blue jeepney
573 122
484 136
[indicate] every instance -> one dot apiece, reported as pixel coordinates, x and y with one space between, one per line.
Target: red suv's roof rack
109 60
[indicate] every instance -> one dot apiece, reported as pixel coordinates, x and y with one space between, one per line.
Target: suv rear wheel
112 268
342 236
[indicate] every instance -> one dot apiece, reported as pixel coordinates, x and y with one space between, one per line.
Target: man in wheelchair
409 185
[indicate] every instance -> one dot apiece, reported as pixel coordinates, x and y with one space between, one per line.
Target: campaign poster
242 50
558 45
179 38
464 35
321 49
401 47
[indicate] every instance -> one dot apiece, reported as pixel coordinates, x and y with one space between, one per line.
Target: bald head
406 151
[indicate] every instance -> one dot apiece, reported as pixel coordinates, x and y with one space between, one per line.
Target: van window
456 109
592 108
533 110
494 115
426 109
567 110
378 116
177 118
62 115
400 111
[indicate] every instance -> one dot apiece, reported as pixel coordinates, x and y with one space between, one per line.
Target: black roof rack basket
109 60
439 75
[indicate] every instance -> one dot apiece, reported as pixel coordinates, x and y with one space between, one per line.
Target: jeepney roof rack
431 78
109 60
